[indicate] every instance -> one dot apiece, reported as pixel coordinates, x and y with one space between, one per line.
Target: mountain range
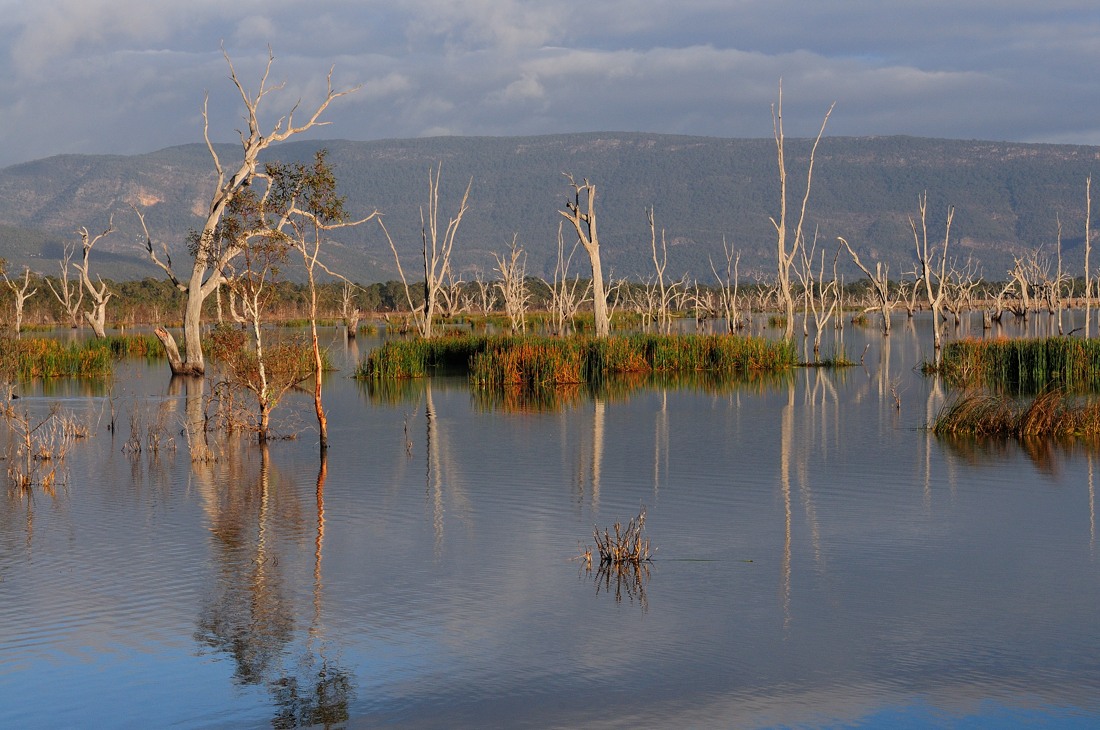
1009 199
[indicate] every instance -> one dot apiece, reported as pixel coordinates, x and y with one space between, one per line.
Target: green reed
48 358
143 345
1023 365
40 357
418 357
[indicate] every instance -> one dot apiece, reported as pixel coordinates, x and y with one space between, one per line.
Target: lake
821 560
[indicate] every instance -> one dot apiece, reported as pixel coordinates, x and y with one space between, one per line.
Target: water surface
822 561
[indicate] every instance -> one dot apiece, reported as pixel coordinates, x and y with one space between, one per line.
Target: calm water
821 561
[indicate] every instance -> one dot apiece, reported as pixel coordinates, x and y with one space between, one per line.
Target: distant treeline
157 301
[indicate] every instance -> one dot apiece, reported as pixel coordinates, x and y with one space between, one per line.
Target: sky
130 76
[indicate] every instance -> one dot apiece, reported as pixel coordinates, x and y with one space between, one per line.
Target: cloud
128 76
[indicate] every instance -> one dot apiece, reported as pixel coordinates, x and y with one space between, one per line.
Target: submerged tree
790 241
728 284
211 251
286 208
513 285
313 208
99 293
935 282
583 218
880 286
70 295
437 249
21 290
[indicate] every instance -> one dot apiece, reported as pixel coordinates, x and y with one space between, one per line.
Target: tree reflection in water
250 617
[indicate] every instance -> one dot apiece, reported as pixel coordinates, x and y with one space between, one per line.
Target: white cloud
128 76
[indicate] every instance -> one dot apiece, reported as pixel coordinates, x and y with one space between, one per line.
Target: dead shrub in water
157 434
38 448
627 545
624 554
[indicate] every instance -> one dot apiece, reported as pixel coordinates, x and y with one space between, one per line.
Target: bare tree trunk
728 286
349 311
584 221
565 297
100 294
787 251
171 350
21 296
513 285
926 256
71 295
1088 250
880 284
436 251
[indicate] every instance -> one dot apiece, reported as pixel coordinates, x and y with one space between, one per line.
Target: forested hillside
1008 199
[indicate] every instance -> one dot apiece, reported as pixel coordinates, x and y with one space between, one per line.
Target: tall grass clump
715 353
143 345
560 360
48 358
529 362
1023 365
1051 413
534 361
419 357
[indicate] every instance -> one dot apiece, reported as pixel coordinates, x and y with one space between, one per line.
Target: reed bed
530 362
1022 365
1052 413
418 358
48 358
538 361
40 357
144 345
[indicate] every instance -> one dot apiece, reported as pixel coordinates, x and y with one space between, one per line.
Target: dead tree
70 294
349 312
450 300
512 268
566 300
880 285
211 251
98 292
1088 250
22 292
908 292
935 283
584 222
484 296
1062 282
788 242
663 295
728 284
436 251
820 297
960 290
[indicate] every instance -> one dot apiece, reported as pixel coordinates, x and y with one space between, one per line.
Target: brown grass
1051 413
